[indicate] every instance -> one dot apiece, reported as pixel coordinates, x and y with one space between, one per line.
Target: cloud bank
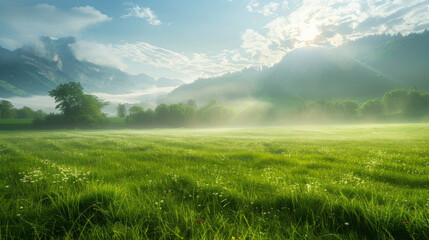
47 20
330 23
289 25
101 54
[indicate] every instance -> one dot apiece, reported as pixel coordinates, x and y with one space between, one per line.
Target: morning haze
226 119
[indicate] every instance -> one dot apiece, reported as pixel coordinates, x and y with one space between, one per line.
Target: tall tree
121 110
7 110
68 96
79 109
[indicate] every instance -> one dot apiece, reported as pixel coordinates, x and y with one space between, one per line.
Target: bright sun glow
309 34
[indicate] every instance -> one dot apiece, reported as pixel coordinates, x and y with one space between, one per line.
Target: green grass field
307 182
15 124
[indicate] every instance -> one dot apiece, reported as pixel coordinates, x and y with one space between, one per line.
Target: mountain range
34 70
361 69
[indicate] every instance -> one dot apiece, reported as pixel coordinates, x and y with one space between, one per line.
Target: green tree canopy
78 108
395 100
372 108
7 110
25 112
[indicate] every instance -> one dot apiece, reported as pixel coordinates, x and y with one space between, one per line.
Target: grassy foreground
325 182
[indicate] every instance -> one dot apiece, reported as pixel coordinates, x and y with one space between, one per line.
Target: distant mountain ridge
361 69
33 70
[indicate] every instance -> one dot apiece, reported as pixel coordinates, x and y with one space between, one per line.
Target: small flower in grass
182 238
21 207
405 222
346 223
265 230
7 186
233 237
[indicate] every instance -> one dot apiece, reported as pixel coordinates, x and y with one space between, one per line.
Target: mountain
36 69
166 82
361 69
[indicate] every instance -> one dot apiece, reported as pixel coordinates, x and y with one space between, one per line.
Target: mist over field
47 104
226 119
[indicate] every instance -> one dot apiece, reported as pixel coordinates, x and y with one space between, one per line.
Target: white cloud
45 19
141 12
190 66
269 9
259 48
97 53
330 22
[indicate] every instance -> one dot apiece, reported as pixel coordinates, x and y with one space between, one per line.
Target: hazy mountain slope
34 70
361 69
23 73
166 82
320 73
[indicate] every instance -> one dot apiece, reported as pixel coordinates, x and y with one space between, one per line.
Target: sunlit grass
310 182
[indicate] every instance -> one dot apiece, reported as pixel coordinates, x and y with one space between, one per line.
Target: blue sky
189 39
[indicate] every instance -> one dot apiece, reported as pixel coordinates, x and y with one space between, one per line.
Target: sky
191 39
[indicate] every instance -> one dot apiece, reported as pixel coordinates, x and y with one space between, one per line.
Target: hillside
361 69
34 70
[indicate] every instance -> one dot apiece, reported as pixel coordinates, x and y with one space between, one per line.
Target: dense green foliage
396 105
77 108
336 182
181 115
8 111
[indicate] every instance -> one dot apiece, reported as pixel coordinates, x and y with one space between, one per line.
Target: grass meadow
298 182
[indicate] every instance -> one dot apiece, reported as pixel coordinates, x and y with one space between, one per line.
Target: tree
135 110
89 111
39 114
25 112
180 115
350 109
7 110
192 103
417 103
78 109
139 117
121 110
162 113
215 114
395 100
69 97
372 108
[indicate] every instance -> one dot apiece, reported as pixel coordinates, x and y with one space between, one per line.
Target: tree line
395 105
80 110
181 115
8 111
